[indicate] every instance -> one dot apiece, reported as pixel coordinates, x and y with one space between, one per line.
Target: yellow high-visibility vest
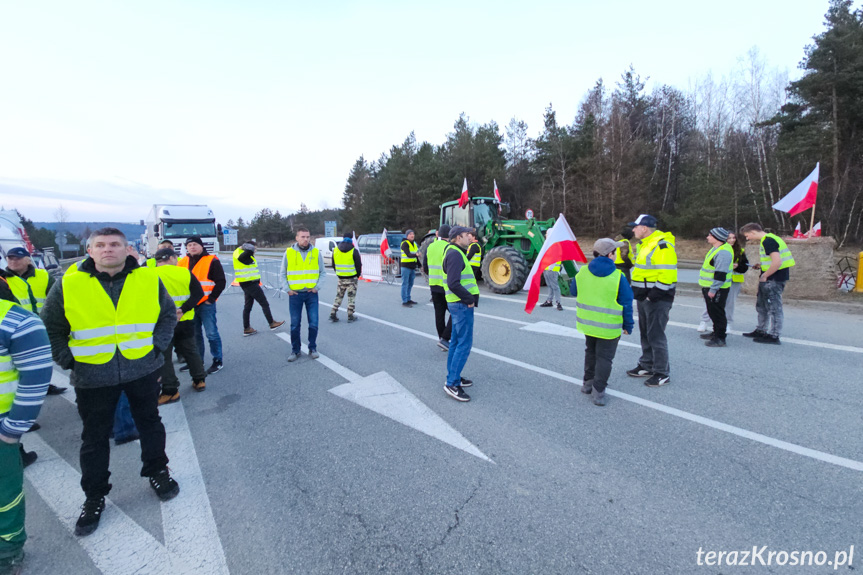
39 284
413 247
242 272
598 313
302 273
655 265
705 278
176 281
21 290
8 373
98 328
787 260
434 256
467 279
344 263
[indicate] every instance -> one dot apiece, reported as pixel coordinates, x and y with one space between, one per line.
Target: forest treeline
720 153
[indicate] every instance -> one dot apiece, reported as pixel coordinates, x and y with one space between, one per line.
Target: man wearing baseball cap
654 284
208 269
29 284
603 312
462 296
715 282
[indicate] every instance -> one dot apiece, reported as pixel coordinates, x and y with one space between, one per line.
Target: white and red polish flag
815 232
802 197
354 240
560 246
385 245
497 196
465 198
797 232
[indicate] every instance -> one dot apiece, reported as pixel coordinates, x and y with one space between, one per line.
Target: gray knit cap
720 234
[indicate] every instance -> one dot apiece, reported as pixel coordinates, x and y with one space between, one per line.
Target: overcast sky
108 107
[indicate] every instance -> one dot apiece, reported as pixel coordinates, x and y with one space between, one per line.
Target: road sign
330 229
528 214
229 237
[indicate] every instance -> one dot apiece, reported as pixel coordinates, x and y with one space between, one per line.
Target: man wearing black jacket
248 275
180 283
432 266
462 296
208 269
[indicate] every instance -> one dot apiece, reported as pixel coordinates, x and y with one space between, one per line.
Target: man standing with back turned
349 267
109 323
248 275
433 268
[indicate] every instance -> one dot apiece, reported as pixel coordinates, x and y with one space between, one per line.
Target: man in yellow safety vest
301 276
348 266
248 275
109 323
775 264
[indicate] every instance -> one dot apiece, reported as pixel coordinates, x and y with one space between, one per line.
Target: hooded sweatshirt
119 369
603 267
283 271
345 247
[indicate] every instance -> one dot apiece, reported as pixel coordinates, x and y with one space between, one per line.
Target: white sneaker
702 327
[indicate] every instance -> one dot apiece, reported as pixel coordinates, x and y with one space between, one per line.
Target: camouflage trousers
348 285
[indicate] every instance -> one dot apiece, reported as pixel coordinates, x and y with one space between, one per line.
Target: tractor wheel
504 270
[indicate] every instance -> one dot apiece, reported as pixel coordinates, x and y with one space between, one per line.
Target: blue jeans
460 341
124 425
296 303
408 276
205 316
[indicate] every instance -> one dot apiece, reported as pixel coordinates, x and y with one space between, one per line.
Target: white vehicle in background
326 246
178 223
12 235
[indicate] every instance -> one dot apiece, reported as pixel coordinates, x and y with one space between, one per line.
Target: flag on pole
815 232
802 197
497 196
465 198
797 232
385 245
354 240
560 245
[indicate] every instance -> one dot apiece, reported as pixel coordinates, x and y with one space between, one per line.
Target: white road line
740 432
498 318
806 342
339 369
120 546
562 330
188 522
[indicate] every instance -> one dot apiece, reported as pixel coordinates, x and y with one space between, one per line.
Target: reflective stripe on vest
787 260
302 273
8 373
344 263
242 272
176 280
202 272
434 257
21 290
737 277
467 279
597 312
705 278
413 247
39 284
98 329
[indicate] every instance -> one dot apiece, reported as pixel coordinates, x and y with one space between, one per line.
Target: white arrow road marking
120 545
562 330
382 394
740 432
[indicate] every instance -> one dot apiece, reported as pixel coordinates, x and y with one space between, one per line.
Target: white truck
12 235
177 223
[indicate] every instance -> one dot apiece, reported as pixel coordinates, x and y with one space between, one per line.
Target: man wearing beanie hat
208 269
715 281
408 265
603 312
348 266
433 268
247 274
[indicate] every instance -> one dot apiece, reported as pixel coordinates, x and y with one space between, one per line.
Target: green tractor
509 247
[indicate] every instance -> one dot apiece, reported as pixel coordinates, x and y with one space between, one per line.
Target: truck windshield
172 230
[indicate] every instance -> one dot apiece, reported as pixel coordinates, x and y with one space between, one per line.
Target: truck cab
177 223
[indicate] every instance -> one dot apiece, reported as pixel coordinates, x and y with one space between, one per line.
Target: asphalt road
748 446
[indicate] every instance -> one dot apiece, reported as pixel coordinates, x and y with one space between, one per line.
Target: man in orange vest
208 269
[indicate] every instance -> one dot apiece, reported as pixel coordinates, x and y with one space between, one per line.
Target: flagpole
812 222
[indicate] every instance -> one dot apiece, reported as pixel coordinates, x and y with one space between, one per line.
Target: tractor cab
479 214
